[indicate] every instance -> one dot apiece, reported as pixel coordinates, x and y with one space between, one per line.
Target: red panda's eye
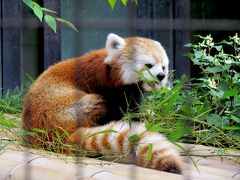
163 68
149 66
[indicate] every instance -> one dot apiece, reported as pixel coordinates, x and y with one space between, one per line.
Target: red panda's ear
114 43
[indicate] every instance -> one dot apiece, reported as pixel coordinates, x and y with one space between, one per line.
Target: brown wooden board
35 164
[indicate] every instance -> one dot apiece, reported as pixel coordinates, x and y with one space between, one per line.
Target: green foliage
51 22
112 3
43 14
133 138
160 111
220 82
205 110
149 153
11 102
103 132
219 86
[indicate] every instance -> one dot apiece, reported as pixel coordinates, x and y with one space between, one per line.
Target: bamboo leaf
155 127
112 3
26 133
124 2
42 131
102 132
51 22
6 123
35 4
48 10
71 25
231 128
149 153
29 3
236 119
133 138
38 12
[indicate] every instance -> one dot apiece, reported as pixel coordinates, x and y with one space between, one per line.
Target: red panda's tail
150 150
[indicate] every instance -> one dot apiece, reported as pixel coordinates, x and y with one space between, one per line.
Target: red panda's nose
160 76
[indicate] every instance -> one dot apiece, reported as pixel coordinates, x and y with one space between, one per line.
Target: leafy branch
44 14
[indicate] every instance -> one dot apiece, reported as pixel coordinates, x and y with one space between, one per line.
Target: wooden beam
11 46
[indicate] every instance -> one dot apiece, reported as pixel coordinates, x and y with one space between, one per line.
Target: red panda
85 95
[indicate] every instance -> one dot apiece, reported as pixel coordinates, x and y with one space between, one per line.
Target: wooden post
145 11
162 9
11 45
1 86
51 41
181 37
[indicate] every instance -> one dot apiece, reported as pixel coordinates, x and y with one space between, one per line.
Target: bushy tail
150 150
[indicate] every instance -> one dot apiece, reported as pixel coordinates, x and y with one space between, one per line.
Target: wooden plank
39 164
11 49
14 164
181 37
51 41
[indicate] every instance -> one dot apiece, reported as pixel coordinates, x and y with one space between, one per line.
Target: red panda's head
133 55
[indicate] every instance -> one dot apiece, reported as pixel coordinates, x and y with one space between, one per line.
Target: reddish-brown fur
64 84
73 95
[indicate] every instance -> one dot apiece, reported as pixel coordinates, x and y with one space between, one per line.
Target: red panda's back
59 87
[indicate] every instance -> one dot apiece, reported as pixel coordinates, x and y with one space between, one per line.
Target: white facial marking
137 61
129 75
145 59
136 64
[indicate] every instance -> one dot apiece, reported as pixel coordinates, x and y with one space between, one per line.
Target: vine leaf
51 22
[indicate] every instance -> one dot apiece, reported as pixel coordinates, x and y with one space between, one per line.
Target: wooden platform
17 165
